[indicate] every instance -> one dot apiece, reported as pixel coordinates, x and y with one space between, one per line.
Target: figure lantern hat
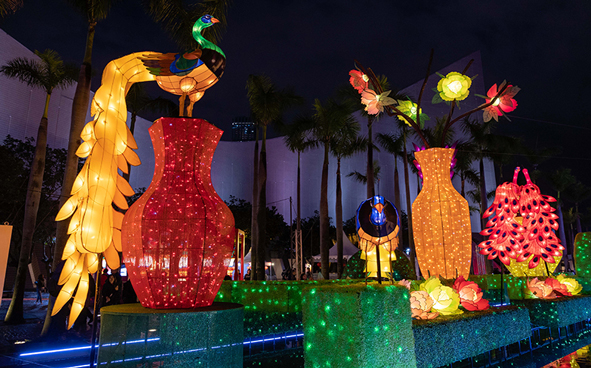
378 224
95 226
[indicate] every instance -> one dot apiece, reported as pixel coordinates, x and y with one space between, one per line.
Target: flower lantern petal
454 86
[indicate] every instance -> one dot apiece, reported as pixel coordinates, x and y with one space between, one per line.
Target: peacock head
204 22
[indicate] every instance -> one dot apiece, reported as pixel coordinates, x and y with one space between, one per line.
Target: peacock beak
214 20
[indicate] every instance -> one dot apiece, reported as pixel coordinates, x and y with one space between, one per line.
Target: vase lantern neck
435 165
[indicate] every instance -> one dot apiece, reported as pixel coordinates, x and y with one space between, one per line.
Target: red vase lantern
178 236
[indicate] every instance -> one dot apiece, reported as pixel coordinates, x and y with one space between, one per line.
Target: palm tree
560 180
393 144
362 178
411 244
9 6
267 104
505 149
297 140
463 168
345 144
352 96
577 193
536 157
48 73
331 120
479 135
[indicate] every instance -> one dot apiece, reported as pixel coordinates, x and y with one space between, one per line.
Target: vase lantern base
133 335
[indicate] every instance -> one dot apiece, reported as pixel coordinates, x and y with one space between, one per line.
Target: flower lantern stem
451 110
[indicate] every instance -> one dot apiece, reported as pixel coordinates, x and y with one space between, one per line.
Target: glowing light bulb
187 84
455 86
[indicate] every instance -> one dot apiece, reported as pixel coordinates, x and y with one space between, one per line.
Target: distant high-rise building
242 129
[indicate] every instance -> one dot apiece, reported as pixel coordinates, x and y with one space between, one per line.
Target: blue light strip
85 347
246 342
297 334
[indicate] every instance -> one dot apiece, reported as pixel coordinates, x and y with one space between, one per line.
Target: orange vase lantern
441 219
178 236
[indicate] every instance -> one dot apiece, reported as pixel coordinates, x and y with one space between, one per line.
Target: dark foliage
15 159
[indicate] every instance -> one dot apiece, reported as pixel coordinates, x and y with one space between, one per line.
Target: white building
21 108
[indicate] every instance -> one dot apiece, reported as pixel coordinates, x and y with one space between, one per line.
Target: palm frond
178 18
9 6
391 143
26 70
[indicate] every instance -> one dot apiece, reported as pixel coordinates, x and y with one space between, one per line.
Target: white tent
348 250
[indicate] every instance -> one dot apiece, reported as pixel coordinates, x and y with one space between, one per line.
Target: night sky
541 46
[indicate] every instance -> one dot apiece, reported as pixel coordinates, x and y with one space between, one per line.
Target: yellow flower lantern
445 299
572 285
454 86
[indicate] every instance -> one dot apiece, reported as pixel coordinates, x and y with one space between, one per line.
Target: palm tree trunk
324 225
561 232
339 220
254 224
262 208
299 224
397 193
15 310
79 109
411 242
463 191
483 201
579 228
369 172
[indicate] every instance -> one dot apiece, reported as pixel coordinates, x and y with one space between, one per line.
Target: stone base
134 336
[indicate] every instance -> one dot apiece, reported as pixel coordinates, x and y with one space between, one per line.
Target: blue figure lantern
378 224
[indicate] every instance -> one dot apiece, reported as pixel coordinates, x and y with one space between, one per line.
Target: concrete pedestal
134 336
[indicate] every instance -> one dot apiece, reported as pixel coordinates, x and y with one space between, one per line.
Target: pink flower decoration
505 102
420 305
358 80
470 295
375 103
541 289
405 283
559 288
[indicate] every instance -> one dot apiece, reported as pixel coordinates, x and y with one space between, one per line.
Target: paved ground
24 338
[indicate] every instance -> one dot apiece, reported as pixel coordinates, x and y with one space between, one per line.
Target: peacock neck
205 44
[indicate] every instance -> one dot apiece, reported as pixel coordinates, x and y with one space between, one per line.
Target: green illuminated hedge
259 324
358 326
491 284
558 312
401 267
583 254
270 296
447 339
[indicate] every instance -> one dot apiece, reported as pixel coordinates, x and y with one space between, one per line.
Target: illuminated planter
441 219
178 236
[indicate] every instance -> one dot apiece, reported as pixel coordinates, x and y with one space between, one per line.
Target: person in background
104 276
110 292
40 285
129 295
247 276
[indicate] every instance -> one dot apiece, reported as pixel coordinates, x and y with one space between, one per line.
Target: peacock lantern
377 226
95 225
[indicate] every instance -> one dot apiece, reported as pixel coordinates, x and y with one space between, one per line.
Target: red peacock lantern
178 236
